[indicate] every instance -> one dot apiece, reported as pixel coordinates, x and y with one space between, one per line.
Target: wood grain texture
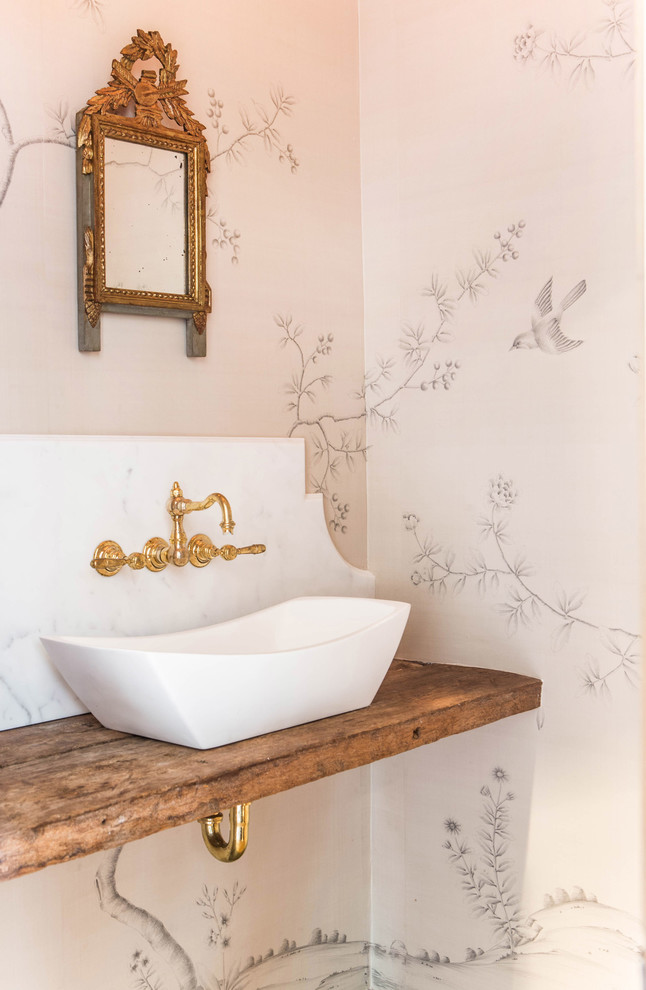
72 787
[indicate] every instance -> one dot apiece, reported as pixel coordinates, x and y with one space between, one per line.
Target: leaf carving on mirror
154 94
92 308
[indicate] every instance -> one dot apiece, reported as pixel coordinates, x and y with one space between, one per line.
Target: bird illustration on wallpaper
545 332
505 574
335 437
580 57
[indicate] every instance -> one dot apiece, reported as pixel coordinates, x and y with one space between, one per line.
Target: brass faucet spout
178 507
227 525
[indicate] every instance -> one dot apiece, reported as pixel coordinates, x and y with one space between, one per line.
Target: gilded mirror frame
157 100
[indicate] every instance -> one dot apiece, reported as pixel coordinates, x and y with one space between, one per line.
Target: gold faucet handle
201 551
227 552
109 558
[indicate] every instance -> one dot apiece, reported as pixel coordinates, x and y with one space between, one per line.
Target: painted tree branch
336 440
436 569
392 377
141 921
611 46
15 147
263 127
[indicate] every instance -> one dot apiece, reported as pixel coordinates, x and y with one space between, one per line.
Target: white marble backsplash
61 496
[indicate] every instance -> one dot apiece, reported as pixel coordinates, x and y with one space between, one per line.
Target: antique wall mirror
142 161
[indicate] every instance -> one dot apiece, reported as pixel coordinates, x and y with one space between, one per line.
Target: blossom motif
524 44
499 774
411 521
416 578
502 492
451 825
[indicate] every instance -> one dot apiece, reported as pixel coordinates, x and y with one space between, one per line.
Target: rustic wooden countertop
71 787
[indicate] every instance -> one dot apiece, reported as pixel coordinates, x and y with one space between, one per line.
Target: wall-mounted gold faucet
109 558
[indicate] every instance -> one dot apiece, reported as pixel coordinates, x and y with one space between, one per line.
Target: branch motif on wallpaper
558 940
391 377
164 955
217 907
506 574
150 928
488 878
218 911
336 440
260 125
580 56
91 8
62 133
545 332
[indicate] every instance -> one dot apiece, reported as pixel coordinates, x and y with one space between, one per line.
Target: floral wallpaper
506 508
495 413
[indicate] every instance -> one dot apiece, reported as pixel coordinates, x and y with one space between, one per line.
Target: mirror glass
145 217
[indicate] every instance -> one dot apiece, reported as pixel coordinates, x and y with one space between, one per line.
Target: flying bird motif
546 332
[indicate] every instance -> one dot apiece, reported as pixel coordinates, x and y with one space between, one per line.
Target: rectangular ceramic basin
304 659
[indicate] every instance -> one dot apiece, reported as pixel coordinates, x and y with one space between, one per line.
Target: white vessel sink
304 659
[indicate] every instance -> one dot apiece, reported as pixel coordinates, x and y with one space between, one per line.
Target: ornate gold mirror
142 161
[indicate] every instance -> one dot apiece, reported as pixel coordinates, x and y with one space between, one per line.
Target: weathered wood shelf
71 787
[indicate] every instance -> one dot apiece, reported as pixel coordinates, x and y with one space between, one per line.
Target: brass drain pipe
227 852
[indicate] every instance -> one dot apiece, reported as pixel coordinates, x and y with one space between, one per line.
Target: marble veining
63 495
